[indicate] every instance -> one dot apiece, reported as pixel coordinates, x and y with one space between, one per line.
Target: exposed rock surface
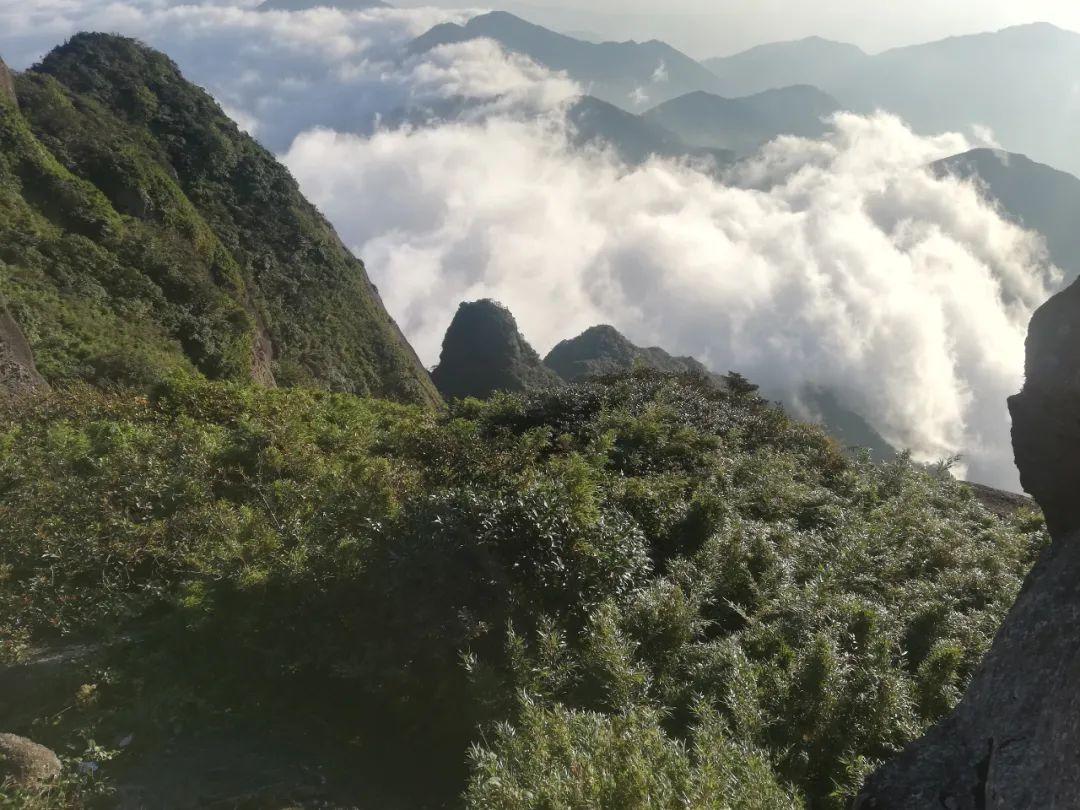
1014 740
25 763
483 352
18 374
7 84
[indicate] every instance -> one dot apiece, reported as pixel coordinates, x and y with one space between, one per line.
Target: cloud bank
839 263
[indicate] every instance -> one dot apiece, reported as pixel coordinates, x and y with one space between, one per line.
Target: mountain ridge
628 74
743 124
943 85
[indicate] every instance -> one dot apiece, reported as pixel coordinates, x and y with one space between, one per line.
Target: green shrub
641 591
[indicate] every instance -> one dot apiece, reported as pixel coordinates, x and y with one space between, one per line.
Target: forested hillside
142 233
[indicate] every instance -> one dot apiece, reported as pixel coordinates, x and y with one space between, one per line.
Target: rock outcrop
484 352
7 84
18 373
25 763
1014 740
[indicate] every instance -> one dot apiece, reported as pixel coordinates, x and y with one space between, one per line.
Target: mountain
632 75
484 352
1031 194
602 350
304 5
743 124
1019 82
634 138
143 233
813 60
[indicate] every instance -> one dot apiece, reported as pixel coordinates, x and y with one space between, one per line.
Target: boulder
25 763
18 374
1014 740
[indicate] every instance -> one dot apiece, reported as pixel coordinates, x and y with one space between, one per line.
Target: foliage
639 591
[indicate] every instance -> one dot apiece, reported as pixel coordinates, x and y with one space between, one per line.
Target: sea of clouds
839 263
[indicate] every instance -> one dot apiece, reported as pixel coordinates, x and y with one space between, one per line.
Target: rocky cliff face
1014 740
7 84
18 374
484 352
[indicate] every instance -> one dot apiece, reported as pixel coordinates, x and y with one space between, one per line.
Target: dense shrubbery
642 591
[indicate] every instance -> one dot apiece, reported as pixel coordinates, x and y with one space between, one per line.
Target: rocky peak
484 352
1046 430
1014 740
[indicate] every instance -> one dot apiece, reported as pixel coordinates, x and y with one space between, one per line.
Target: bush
642 591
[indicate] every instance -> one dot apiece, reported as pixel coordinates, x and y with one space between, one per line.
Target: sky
707 28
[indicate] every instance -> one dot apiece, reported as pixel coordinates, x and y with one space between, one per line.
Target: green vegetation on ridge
637 592
141 233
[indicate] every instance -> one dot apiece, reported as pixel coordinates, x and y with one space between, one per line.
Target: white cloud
838 262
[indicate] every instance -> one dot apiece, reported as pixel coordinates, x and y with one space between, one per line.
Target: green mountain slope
602 350
143 233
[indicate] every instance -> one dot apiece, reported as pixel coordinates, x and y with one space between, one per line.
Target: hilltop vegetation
141 233
639 591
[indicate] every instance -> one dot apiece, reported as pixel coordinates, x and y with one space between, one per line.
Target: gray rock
18 374
25 763
7 84
1014 740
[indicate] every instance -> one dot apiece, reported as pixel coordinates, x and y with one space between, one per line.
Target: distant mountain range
744 124
634 138
631 75
816 61
1019 82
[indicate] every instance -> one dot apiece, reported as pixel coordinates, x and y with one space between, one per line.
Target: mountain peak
603 349
484 352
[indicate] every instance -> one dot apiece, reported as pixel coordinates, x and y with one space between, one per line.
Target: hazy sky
717 27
